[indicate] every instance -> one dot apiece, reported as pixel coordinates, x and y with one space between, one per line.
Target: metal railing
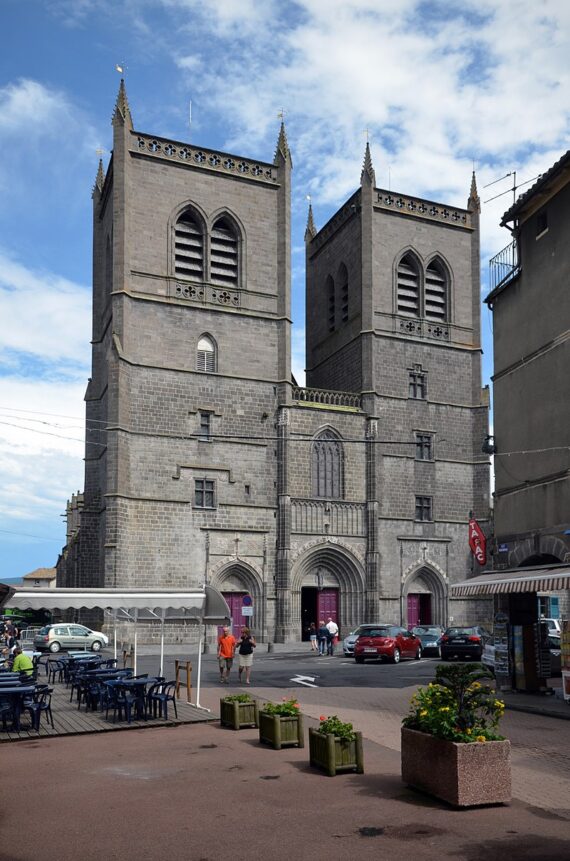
504 266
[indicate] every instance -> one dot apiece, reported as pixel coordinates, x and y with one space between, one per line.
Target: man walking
332 629
226 650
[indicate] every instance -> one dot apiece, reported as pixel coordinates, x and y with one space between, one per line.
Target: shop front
523 659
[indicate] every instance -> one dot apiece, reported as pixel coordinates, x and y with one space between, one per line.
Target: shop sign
477 542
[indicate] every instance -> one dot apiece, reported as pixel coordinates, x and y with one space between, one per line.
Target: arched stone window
436 292
408 287
206 357
329 292
224 253
189 247
343 288
328 466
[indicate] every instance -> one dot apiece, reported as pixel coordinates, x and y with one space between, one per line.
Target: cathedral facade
206 462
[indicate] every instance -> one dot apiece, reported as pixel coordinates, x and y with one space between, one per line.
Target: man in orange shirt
226 649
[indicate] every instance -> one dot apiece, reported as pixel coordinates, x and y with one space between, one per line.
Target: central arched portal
327 582
424 599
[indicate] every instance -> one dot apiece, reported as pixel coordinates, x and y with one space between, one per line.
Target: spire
473 203
310 229
122 112
99 179
367 168
282 147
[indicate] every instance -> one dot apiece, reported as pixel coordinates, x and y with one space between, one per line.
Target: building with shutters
205 461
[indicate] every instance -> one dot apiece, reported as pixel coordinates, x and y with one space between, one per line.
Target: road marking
304 680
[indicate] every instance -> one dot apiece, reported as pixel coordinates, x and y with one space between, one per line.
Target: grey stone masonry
205 464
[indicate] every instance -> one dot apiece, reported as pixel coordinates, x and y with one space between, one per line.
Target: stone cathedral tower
204 462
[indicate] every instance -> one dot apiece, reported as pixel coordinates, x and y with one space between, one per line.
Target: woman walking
322 636
245 653
313 637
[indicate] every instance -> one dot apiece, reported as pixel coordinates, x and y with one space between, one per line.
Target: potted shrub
281 724
450 744
238 710
335 746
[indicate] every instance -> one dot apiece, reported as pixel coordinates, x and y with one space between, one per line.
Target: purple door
413 610
327 605
235 603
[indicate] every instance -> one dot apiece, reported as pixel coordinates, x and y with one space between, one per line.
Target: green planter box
464 775
333 754
279 731
238 715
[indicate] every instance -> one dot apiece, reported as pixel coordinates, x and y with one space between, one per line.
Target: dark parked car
466 643
430 636
387 641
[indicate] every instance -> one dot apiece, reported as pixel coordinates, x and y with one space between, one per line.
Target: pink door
327 605
413 610
235 603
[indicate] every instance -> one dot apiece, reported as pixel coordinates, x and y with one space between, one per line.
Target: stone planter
464 775
280 731
333 754
238 715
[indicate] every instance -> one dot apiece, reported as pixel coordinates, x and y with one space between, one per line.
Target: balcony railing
327 517
504 266
331 399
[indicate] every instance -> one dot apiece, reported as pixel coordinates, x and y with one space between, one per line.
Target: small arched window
436 292
224 254
343 287
328 466
329 290
206 359
408 287
189 247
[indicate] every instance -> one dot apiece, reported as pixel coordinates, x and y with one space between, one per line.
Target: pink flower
322 717
296 706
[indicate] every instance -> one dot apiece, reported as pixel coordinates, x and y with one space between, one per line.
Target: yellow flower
444 709
423 713
468 731
481 738
499 704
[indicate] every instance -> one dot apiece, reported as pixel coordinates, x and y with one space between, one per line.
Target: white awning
538 578
207 606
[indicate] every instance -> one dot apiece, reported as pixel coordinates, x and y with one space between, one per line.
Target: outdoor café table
15 695
138 688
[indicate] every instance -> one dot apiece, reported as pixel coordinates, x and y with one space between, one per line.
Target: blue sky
440 85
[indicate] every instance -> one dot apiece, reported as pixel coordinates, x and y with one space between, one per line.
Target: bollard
270 647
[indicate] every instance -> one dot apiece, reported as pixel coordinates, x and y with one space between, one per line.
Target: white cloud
29 106
42 314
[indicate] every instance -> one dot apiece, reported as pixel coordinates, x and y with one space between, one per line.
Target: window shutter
224 255
408 288
436 293
188 248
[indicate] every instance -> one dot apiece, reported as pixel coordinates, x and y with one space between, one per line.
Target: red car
387 641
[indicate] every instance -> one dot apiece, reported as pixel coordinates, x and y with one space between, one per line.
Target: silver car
69 636
350 640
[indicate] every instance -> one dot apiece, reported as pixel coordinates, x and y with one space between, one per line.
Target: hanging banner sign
477 542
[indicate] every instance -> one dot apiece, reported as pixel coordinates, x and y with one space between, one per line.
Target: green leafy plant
239 698
336 727
460 705
286 708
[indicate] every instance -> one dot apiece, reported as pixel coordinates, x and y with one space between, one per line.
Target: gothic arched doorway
424 599
235 581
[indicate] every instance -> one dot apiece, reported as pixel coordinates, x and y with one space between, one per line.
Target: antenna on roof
514 188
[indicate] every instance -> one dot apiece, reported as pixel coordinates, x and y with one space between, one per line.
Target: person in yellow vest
22 663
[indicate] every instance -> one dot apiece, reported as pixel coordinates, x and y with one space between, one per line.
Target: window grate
188 248
224 255
408 288
435 293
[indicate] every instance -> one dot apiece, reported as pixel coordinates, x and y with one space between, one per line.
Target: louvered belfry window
224 254
331 303
189 247
408 287
328 466
435 292
206 355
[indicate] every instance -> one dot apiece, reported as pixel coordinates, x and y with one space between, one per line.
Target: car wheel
96 646
419 653
54 647
396 656
359 660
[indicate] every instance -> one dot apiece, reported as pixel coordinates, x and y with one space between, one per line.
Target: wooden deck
69 720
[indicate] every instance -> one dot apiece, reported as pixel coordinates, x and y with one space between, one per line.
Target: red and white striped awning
538 578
